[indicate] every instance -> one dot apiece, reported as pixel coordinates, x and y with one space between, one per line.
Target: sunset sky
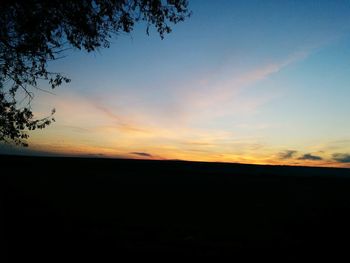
263 82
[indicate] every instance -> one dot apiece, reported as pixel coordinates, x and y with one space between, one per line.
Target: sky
262 82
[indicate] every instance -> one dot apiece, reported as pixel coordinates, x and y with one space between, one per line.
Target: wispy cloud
212 91
288 154
341 157
95 155
123 123
268 69
310 157
76 129
142 154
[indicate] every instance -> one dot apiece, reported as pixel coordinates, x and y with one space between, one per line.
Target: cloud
142 154
310 157
76 128
288 154
95 155
122 122
219 89
341 157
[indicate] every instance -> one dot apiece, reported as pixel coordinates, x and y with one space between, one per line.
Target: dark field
76 208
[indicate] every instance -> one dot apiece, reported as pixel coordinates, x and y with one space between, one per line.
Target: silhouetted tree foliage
34 32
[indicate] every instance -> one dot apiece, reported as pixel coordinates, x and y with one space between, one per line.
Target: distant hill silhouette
86 208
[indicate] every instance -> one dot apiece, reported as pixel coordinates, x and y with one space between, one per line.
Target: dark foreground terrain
77 209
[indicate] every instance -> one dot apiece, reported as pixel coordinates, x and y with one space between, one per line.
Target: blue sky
239 81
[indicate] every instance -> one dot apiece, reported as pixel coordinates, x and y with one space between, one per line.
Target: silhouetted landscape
85 208
166 128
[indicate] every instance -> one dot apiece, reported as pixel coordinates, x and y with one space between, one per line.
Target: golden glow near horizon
85 128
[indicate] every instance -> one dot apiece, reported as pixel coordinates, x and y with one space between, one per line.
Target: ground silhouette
87 208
